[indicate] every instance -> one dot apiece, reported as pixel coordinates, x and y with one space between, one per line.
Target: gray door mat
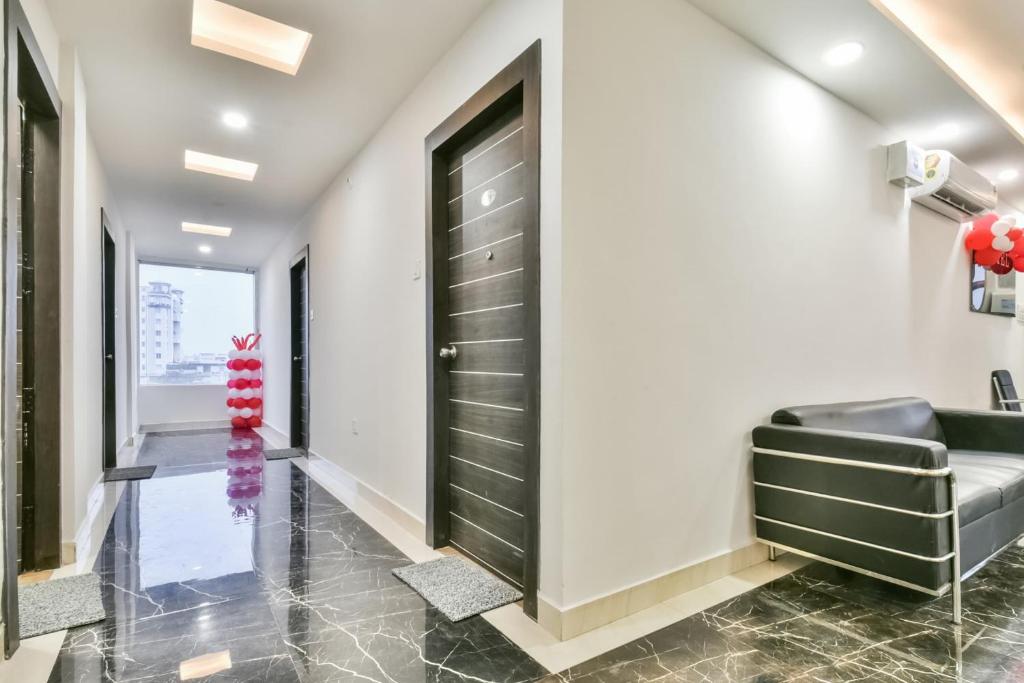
59 604
129 473
283 453
457 587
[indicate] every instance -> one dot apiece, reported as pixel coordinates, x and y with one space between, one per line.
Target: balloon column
245 383
997 243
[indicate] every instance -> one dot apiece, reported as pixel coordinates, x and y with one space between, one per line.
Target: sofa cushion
1004 471
910 417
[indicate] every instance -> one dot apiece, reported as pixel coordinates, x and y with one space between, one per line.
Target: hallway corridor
246 569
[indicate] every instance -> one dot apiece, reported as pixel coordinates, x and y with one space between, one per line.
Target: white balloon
1002 243
245 374
233 353
1012 220
247 394
258 355
246 413
233 374
232 412
255 374
258 392
233 393
246 443
1001 227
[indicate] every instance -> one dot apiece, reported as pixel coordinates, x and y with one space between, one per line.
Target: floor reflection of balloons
245 472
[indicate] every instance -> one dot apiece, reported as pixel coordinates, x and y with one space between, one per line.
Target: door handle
296 358
109 356
449 352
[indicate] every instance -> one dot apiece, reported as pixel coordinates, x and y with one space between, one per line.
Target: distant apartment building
160 308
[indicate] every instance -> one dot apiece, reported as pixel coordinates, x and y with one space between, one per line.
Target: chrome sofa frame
953 557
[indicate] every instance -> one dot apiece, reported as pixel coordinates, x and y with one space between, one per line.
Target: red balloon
241 384
979 239
231 383
1003 266
239 403
253 364
239 364
255 383
985 222
238 422
986 257
1018 264
257 402
1015 234
255 421
231 364
231 402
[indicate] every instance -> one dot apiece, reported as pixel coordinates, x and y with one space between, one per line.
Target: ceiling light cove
201 229
205 249
232 119
232 31
1008 174
846 53
229 168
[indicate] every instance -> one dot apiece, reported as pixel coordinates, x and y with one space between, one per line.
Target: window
200 309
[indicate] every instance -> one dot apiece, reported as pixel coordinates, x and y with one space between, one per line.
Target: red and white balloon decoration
245 383
997 243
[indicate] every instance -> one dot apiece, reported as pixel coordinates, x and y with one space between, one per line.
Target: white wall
179 405
731 247
84 191
366 235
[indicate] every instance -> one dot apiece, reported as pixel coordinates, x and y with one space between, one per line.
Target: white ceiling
151 95
897 82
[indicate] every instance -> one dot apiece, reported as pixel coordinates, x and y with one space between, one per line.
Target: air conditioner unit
953 188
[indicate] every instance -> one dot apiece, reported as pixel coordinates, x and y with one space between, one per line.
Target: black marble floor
232 568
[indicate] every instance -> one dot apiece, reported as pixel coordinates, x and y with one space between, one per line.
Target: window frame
139 262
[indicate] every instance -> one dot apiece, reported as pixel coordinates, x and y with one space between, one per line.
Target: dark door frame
520 80
296 383
21 52
108 312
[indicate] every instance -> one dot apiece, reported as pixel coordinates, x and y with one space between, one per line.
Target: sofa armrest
983 430
858 446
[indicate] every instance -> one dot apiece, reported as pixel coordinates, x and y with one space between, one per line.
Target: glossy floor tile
231 568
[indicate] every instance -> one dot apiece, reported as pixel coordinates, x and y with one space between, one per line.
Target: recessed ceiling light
1008 174
201 229
946 131
205 249
843 54
210 163
232 119
232 31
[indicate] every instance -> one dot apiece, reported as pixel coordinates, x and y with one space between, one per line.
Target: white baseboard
358 495
568 622
184 426
272 435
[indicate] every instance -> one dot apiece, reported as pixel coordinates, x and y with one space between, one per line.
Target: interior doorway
109 313
483 337
299 404
31 323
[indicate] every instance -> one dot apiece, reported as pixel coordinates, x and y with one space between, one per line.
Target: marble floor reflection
231 568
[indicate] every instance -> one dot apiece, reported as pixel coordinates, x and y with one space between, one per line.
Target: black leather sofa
895 489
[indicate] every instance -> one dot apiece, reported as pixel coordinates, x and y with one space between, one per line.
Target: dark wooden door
483 308
486 332
300 351
109 367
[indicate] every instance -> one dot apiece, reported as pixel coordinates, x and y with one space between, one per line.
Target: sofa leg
955 569
771 553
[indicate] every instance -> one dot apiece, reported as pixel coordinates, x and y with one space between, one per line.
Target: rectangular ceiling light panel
215 230
229 168
232 31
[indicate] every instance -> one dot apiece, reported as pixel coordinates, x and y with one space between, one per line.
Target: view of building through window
187 317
